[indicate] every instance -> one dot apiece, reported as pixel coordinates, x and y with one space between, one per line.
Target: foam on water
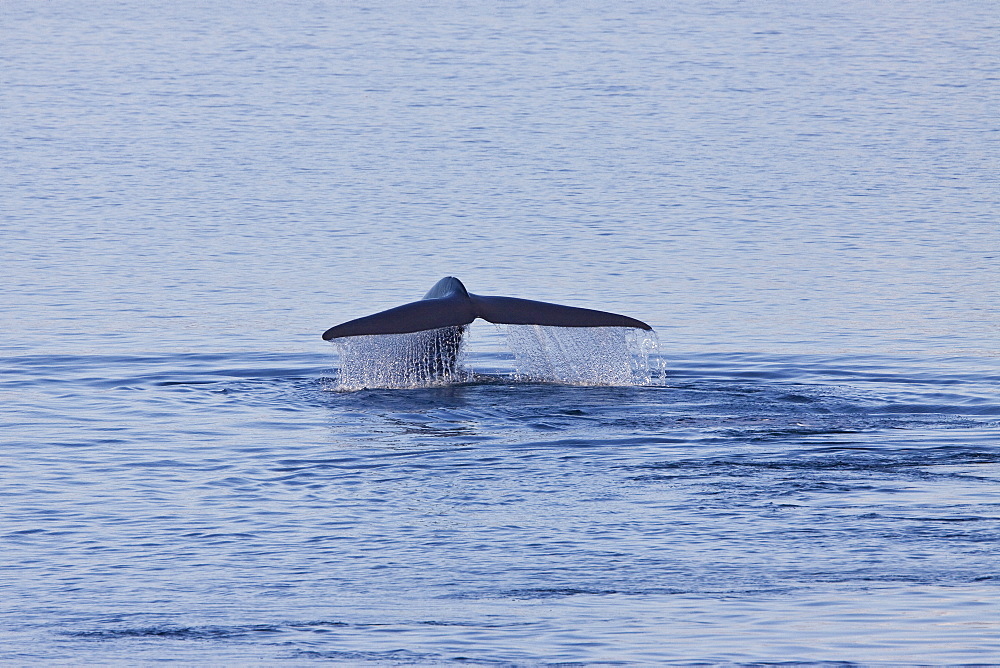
571 355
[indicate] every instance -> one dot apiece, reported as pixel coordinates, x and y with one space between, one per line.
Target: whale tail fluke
449 304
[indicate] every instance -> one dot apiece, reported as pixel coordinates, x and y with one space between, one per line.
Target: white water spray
585 355
420 359
571 355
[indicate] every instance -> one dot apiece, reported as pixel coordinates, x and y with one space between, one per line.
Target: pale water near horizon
801 200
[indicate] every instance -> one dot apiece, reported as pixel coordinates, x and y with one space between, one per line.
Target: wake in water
570 355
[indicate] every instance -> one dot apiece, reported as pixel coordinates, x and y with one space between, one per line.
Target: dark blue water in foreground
752 507
801 200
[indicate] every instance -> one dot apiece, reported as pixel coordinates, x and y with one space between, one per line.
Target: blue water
800 199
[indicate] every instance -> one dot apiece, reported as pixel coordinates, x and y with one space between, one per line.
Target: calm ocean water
801 199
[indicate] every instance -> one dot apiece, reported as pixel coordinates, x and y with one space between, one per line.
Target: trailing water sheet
570 355
585 355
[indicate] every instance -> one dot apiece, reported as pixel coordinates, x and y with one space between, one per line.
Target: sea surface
801 198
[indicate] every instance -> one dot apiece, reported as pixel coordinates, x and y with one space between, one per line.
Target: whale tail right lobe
514 311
